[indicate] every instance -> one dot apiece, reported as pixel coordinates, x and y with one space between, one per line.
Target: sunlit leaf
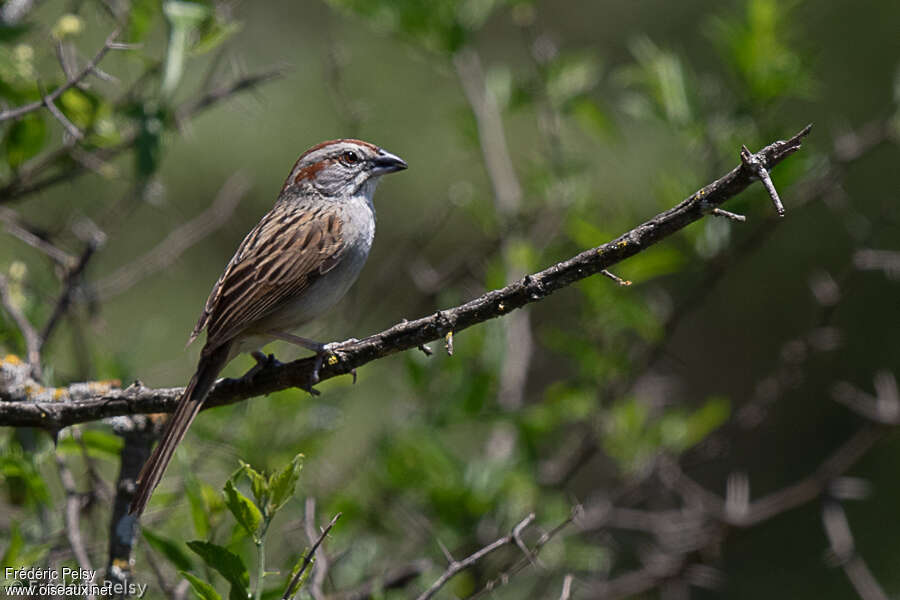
245 512
228 564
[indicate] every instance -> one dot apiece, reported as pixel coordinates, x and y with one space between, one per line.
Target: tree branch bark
80 405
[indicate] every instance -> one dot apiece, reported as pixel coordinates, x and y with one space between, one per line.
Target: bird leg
321 350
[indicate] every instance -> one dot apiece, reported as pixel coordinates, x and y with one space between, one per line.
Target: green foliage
227 564
170 549
20 475
761 51
97 443
245 512
632 435
24 139
271 493
202 590
442 26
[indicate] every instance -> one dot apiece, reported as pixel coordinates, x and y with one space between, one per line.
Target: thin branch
177 242
30 335
16 113
71 282
307 559
72 515
21 185
460 565
395 578
409 334
320 568
32 237
840 537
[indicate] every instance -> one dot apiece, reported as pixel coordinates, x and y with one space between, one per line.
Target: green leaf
25 138
245 512
16 543
202 590
227 564
258 484
283 483
170 549
199 512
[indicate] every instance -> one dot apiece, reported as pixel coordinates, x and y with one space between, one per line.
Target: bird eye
350 157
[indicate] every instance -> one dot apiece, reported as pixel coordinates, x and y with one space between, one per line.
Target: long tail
211 363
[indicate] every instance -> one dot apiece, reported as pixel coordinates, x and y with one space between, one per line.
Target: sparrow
299 260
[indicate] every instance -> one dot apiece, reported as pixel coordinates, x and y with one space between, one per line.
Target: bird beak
386 162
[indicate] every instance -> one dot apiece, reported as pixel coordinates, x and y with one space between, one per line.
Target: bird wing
278 260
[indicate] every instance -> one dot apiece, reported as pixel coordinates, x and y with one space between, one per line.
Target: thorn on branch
425 350
719 212
752 162
616 278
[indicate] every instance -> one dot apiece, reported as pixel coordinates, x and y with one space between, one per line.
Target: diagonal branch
409 334
47 100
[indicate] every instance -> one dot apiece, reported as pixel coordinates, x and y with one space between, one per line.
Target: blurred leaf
227 564
99 444
282 484
760 48
13 548
68 25
214 35
11 33
438 25
591 117
140 19
245 512
79 106
25 138
171 550
24 483
202 590
659 77
569 77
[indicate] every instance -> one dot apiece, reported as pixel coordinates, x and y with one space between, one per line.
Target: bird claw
263 361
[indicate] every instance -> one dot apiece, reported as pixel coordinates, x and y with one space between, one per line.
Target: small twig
15 113
425 350
448 343
68 125
320 568
71 282
840 537
290 591
616 278
29 334
517 537
32 237
566 588
72 516
457 566
753 162
721 212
